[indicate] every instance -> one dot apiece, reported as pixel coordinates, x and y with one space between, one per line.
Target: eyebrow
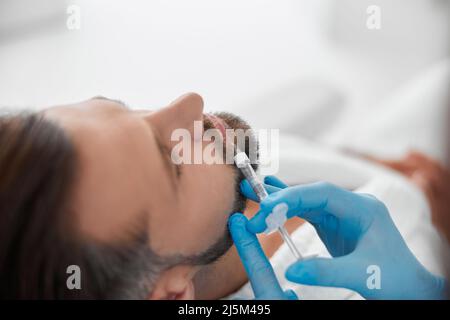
120 102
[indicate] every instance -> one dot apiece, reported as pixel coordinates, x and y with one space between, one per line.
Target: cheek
206 199
212 188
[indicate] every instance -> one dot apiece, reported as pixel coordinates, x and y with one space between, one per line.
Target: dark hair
36 168
38 236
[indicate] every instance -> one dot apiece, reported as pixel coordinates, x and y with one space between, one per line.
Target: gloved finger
291 295
335 272
248 192
312 202
257 223
274 181
259 270
259 219
321 198
288 295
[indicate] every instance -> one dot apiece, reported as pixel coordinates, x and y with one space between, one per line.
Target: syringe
243 163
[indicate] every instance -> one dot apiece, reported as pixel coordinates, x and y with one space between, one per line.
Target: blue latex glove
261 275
361 236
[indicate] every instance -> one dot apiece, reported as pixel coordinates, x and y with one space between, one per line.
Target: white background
234 53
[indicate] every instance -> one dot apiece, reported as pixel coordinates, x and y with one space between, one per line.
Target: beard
221 246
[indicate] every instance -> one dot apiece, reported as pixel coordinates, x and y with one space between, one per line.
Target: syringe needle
287 238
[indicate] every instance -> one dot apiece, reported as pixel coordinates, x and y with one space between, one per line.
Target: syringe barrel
257 186
260 191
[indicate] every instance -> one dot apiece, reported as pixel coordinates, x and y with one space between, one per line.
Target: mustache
234 122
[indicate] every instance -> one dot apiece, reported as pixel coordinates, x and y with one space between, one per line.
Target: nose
180 114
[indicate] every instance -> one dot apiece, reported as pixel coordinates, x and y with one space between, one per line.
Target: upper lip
217 123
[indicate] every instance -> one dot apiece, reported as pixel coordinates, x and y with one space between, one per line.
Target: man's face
126 177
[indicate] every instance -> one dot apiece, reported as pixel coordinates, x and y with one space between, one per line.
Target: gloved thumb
335 272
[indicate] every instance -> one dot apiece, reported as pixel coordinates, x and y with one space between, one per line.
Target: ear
175 283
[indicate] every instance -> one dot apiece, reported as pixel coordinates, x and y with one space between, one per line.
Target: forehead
118 163
85 110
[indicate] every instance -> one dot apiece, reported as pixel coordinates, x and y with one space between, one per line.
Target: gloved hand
261 275
360 235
